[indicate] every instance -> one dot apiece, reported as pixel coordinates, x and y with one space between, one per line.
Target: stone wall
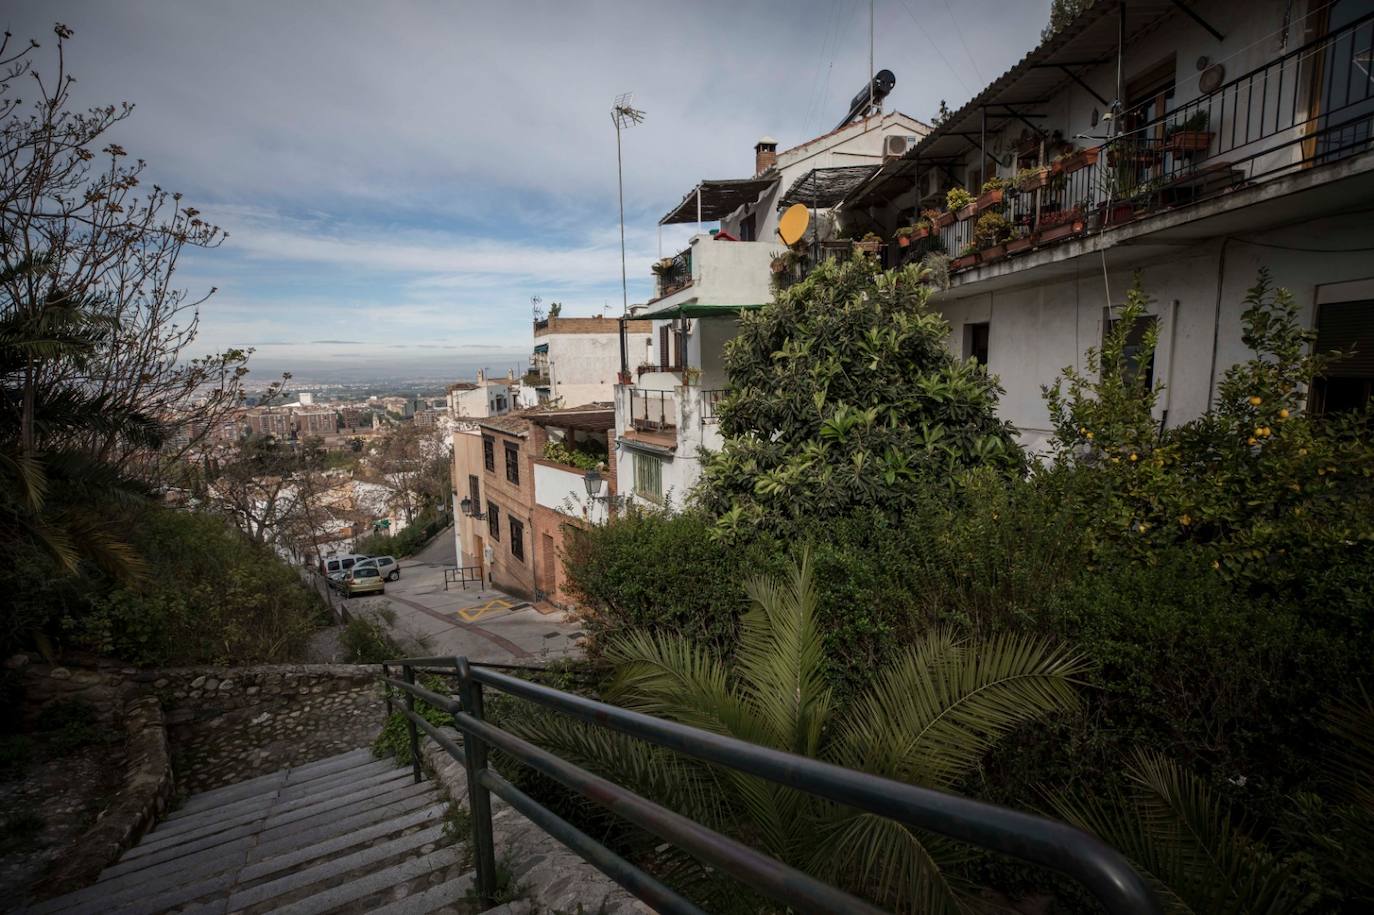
228 724
146 792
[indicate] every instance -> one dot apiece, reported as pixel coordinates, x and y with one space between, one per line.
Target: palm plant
927 719
1184 841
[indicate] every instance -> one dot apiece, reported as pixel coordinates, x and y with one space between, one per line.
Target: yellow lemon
1256 400
1283 414
1134 456
1088 436
1185 520
1252 441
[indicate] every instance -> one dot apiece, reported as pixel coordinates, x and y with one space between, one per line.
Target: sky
398 179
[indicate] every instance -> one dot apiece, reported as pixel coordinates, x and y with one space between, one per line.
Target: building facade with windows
490 468
575 360
665 410
1241 141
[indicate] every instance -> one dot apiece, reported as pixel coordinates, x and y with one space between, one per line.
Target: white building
575 360
1244 142
469 401
665 415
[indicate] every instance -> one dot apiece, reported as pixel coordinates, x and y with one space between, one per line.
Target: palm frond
931 717
882 859
781 659
1177 833
669 677
1351 762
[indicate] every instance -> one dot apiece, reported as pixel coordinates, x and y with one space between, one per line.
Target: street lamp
592 480
465 507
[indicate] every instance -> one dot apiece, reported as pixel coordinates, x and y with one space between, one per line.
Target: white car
389 568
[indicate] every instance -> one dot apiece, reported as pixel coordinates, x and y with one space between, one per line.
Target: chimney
481 376
765 155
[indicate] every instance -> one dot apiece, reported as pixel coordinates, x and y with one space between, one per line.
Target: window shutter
663 355
1343 326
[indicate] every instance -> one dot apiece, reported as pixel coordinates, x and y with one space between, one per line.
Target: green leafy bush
211 595
394 739
416 535
366 639
584 455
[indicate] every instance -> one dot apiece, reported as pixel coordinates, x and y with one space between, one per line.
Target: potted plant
1032 179
1189 135
662 267
928 224
1022 242
871 243
991 193
1079 158
990 234
1131 153
1060 225
959 202
691 376
624 378
903 235
968 256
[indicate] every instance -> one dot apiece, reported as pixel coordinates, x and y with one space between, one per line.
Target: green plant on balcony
991 229
662 266
957 198
993 184
1195 122
1032 179
584 455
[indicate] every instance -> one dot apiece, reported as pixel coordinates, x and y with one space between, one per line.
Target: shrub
211 596
416 535
367 639
956 198
584 455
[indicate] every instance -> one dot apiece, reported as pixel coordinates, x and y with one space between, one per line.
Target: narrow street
485 624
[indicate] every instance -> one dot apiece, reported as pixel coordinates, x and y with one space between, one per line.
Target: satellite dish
792 225
1097 116
1211 78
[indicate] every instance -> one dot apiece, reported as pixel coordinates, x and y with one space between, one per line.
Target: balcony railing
710 399
1312 106
653 411
674 273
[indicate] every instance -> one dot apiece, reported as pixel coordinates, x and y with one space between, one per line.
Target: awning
700 310
713 200
824 187
541 347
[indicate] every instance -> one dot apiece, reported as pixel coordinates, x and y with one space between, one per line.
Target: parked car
329 565
363 580
387 565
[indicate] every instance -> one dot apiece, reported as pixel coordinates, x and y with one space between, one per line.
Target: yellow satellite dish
792 225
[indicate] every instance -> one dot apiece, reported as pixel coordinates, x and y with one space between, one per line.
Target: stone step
371 884
253 807
451 893
277 785
291 811
369 859
245 788
193 868
267 847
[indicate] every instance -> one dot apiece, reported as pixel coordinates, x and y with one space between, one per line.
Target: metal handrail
1048 843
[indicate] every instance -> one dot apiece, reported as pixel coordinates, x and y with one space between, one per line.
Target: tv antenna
624 116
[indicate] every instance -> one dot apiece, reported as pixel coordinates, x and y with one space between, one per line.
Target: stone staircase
344 834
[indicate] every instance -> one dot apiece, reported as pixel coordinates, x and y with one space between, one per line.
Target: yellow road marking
473 614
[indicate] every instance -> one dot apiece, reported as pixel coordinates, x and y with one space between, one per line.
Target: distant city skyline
406 176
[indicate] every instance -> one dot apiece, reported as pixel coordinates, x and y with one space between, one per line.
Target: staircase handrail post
386 691
409 673
479 798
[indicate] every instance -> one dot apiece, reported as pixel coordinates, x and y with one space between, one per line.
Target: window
648 477
512 463
474 493
500 404
489 453
1349 382
976 342
1135 340
494 521
517 539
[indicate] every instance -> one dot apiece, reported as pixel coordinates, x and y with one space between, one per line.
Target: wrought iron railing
1040 841
653 411
710 399
1311 106
674 273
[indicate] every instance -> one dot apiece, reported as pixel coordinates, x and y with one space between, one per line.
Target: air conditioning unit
895 147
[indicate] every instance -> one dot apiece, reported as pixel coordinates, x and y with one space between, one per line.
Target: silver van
386 565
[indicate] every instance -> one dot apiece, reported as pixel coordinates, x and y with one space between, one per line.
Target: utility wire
960 33
941 54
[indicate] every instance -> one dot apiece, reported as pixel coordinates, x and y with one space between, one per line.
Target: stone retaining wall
228 724
146 792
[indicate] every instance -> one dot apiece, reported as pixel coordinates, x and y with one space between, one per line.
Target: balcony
1311 107
653 411
673 274
714 271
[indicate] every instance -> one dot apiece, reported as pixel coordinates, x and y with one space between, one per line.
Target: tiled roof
510 424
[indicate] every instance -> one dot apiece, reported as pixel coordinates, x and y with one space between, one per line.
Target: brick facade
512 548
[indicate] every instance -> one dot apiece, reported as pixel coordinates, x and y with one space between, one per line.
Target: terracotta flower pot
1034 182
990 199
968 212
959 263
921 233
993 253
1017 245
944 220
1189 141
1061 231
903 241
868 247
1081 159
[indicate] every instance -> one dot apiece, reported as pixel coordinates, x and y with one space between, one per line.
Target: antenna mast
624 116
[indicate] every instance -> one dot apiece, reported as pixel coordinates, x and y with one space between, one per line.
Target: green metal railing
1104 872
